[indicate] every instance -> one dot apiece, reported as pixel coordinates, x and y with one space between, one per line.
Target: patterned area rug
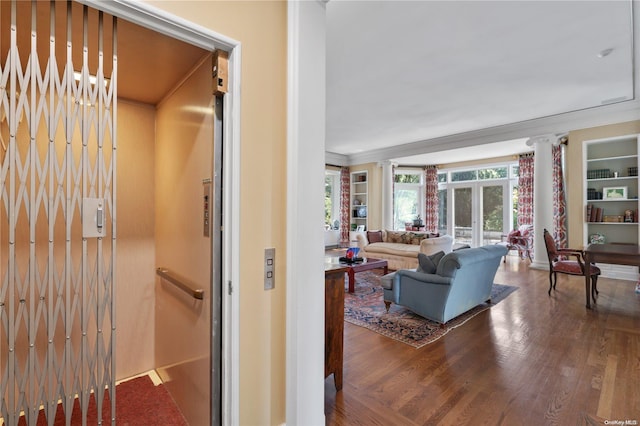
365 307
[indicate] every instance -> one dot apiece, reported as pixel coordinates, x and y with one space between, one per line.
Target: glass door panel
463 215
492 214
442 212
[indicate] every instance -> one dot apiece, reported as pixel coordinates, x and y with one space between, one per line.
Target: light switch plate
269 268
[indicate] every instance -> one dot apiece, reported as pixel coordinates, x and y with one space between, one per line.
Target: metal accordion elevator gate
57 211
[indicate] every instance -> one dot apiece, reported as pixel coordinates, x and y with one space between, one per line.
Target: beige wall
261 27
135 274
474 163
574 172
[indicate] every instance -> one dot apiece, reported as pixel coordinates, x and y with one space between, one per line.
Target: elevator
98 192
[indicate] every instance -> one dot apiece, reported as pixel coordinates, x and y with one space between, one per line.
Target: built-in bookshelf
359 200
611 195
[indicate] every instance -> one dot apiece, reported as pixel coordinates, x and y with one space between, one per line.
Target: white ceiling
417 77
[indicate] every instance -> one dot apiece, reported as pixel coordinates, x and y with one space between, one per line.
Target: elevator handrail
181 282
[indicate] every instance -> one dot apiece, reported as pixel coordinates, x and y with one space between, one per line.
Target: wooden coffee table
365 265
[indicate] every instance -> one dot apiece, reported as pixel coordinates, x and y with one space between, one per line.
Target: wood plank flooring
530 360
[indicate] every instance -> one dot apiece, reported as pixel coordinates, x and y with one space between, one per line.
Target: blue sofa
463 280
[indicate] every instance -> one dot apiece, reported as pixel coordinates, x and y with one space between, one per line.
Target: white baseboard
619 272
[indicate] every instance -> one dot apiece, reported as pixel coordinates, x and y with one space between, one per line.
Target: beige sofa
400 248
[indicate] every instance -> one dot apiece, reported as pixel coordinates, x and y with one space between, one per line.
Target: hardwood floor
530 360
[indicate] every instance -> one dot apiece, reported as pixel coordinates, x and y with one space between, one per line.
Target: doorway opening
143 50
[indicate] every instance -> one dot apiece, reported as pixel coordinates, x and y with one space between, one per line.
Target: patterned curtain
431 198
345 205
393 196
559 197
525 190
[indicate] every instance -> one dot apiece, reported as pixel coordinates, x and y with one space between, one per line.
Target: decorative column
542 195
387 194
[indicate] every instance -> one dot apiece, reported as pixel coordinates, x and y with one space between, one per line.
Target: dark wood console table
618 254
334 321
352 268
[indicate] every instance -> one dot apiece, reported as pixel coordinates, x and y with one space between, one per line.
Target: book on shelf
594 214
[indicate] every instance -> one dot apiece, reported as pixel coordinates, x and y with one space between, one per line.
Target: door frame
306 80
181 29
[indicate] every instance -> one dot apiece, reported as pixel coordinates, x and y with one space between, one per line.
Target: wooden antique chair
558 262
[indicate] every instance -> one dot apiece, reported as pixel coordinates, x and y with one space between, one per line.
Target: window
403 177
493 173
464 175
408 197
332 199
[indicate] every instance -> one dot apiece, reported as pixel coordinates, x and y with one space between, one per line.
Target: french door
480 212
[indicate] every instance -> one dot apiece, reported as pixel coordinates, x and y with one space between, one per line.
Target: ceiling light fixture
605 52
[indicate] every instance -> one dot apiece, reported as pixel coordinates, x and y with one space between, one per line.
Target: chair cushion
374 236
398 249
428 264
386 281
573 267
512 234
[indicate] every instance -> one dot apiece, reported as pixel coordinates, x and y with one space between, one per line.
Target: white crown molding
335 159
555 124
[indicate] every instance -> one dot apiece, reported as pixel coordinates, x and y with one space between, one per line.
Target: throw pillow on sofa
417 238
374 236
428 264
396 237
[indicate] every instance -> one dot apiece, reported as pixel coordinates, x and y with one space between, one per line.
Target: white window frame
335 193
409 186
